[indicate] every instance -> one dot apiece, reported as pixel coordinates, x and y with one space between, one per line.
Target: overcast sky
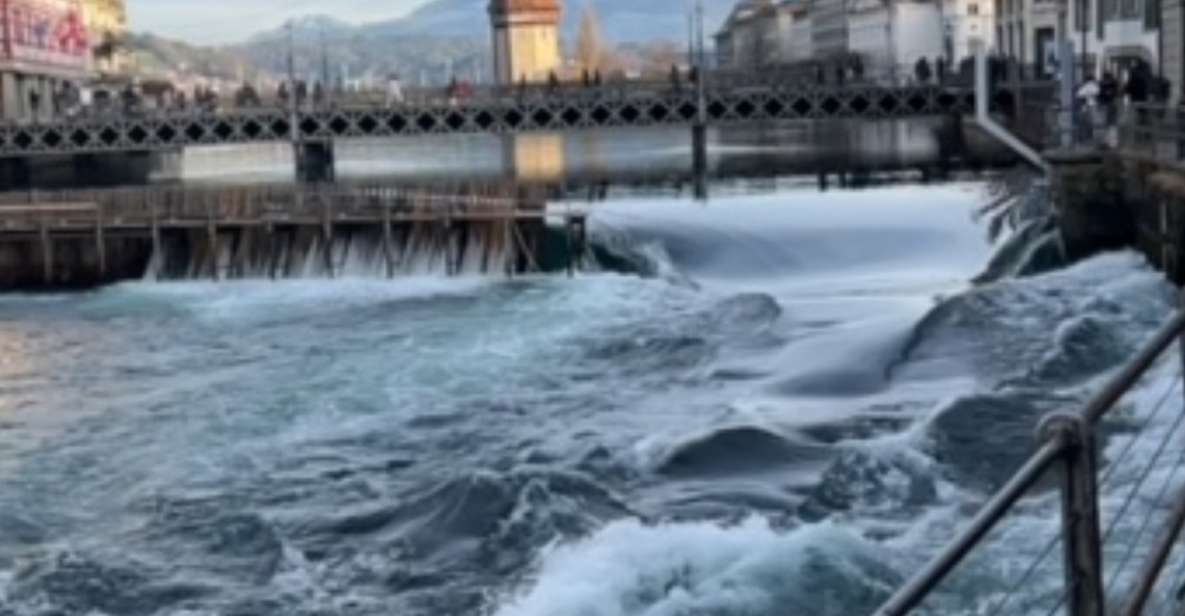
222 21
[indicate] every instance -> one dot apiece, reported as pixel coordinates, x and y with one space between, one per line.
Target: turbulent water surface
798 402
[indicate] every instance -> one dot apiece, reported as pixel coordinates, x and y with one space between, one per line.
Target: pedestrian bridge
497 114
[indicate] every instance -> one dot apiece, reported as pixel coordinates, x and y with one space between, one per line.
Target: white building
1110 35
891 36
765 32
967 24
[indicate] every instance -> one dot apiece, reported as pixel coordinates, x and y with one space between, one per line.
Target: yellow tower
526 39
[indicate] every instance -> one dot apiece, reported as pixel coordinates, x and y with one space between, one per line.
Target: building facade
1106 35
761 33
967 25
44 47
891 36
526 40
107 23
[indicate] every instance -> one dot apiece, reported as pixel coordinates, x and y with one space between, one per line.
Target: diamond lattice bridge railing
495 115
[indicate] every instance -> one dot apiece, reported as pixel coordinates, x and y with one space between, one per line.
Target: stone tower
526 39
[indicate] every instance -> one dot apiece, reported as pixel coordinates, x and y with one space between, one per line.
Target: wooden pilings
217 233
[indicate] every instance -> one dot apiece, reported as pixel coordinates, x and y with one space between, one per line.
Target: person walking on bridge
921 71
394 91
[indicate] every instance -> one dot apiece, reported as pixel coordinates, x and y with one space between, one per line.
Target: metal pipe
984 119
1119 385
1155 564
915 591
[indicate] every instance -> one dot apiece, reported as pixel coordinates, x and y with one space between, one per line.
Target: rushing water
789 415
782 404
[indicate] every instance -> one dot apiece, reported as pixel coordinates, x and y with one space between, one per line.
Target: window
973 9
1081 15
1151 14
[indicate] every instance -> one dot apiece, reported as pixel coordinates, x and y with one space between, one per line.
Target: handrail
913 593
919 586
1117 386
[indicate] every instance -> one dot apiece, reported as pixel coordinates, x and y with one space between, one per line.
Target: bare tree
589 46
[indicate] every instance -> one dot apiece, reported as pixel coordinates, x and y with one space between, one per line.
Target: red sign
45 32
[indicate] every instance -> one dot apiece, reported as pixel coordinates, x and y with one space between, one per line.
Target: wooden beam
100 244
46 253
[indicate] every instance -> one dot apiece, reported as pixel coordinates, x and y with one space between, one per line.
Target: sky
225 21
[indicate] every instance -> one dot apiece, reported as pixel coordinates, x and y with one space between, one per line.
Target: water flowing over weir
86 238
793 406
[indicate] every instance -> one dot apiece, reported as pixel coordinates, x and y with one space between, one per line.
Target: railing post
1081 540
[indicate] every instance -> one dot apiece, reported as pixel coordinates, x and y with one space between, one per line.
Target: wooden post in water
157 257
46 251
327 233
510 247
571 254
212 239
447 237
100 242
388 249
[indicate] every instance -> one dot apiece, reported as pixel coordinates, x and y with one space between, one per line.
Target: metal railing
1155 132
1068 446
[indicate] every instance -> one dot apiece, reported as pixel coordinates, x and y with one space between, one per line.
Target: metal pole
912 594
1081 538
292 112
1065 119
1155 564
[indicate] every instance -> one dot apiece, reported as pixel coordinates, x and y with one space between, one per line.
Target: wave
629 568
731 450
1033 331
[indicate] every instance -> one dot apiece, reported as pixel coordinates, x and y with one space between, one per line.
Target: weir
78 239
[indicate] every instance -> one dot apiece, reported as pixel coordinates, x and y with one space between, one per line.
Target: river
789 404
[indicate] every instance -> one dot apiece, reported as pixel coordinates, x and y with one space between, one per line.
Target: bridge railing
1118 524
1155 132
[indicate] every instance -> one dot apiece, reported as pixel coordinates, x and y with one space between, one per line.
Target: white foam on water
632 569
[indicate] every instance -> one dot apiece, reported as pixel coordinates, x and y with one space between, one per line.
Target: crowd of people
1098 101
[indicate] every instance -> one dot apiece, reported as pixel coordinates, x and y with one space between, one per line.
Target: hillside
439 40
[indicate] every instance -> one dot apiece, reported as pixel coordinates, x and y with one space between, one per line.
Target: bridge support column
699 159
315 162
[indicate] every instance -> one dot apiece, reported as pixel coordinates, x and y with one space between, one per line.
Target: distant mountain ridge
441 39
622 21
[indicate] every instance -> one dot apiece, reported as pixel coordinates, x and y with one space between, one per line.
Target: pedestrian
1136 89
675 78
586 78
301 93
1108 95
282 94
35 104
940 69
318 95
553 82
451 91
921 71
394 91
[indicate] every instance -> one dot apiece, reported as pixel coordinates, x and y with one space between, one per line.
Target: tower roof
510 7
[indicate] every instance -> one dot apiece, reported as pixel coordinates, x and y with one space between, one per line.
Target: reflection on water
621 154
